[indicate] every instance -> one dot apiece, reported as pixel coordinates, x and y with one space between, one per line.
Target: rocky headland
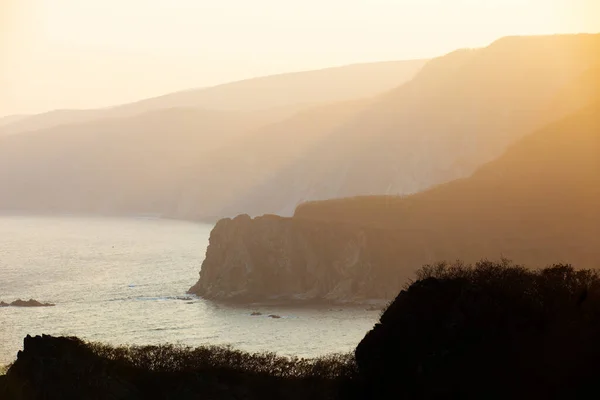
278 259
537 204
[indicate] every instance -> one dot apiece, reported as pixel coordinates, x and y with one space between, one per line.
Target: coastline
370 304
75 214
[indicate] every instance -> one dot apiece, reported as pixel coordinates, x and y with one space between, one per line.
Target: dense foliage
493 330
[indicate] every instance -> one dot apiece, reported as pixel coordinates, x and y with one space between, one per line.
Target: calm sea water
121 281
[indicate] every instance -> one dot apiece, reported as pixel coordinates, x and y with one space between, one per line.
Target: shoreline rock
26 303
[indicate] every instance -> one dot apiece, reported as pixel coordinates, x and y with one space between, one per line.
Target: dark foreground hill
66 368
493 331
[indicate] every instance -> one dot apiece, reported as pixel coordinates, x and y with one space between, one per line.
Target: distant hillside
220 177
121 165
458 113
461 111
282 94
11 119
536 204
183 163
577 94
179 162
309 87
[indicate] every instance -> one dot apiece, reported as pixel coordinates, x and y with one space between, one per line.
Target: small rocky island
26 303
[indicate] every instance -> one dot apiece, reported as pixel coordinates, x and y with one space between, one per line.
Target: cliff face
537 204
285 259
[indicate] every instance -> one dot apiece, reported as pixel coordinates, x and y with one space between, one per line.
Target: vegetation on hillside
537 203
68 368
494 330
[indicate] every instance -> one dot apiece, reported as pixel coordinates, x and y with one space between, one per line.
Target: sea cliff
537 205
272 258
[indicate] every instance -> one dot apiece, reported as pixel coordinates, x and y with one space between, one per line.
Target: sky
95 53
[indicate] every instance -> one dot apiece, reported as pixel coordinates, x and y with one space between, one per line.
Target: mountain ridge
460 111
537 205
274 90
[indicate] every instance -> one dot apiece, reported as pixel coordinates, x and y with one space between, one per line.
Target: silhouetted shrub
68 368
493 330
169 358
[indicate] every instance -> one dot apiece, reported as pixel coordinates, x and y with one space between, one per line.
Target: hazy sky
91 53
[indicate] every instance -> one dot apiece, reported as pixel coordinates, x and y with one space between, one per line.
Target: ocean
124 281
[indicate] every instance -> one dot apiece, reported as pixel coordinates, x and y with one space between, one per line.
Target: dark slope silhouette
66 368
537 204
493 331
281 95
460 111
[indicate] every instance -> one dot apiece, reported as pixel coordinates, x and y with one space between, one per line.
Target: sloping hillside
460 111
277 95
11 119
222 176
183 163
114 165
308 87
537 204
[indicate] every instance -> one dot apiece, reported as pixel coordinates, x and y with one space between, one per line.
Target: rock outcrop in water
26 303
